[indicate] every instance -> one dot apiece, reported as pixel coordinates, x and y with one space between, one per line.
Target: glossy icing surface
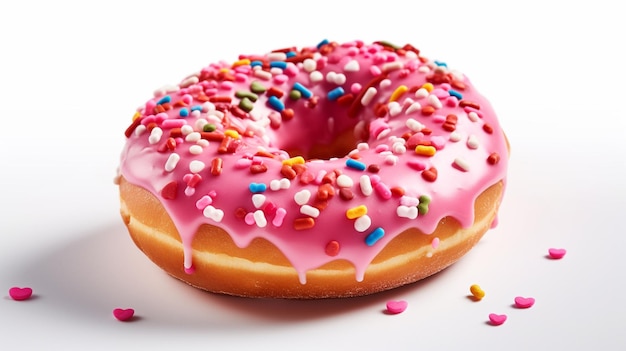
212 149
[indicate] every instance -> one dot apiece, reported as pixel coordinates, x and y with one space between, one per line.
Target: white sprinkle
394 108
398 148
202 143
392 66
309 65
391 160
421 93
352 66
362 146
186 129
316 76
455 136
195 149
472 142
340 79
423 69
462 164
407 212
189 81
155 135
434 101
362 223
193 137
275 184
385 83
344 181
302 197
276 56
213 213
285 183
189 191
258 200
414 125
140 129
366 185
416 106
473 116
200 123
265 75
309 211
259 219
208 106
196 166
171 162
166 89
368 96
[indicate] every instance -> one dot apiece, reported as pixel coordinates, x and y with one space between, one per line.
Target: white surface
71 76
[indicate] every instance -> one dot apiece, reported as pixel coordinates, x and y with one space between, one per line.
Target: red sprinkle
346 194
397 191
255 169
288 172
132 127
493 158
464 103
430 174
216 166
487 128
332 248
303 223
170 190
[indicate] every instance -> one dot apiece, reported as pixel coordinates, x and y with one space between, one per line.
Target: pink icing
195 190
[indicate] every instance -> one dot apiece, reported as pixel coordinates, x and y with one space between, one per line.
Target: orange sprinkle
425 150
303 223
216 166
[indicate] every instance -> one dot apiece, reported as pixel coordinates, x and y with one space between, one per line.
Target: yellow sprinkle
298 160
428 86
477 292
136 115
395 96
241 62
425 150
356 212
224 70
231 133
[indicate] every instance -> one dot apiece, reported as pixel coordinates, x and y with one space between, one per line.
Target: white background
72 73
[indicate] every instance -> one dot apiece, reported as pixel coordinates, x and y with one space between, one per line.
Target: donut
325 171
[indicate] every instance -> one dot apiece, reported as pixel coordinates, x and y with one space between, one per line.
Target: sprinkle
556 254
232 133
279 217
258 200
354 164
259 73
374 236
477 292
435 243
171 162
392 66
257 187
298 160
20 294
461 164
316 76
170 190
383 190
424 150
209 127
196 166
123 315
455 93
362 223
246 104
493 158
430 174
406 212
258 168
278 64
203 202
259 218
216 166
257 87
366 185
472 142
303 223
302 197
164 100
322 43
155 135
309 211
213 213
306 93
368 96
356 212
332 248
335 93
524 302
395 307
428 86
497 319
395 96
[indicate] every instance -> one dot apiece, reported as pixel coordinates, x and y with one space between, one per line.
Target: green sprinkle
246 105
422 209
209 127
246 94
257 88
424 199
294 94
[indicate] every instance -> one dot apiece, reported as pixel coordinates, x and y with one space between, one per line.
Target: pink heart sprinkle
524 302
123 314
497 319
556 253
20 294
395 307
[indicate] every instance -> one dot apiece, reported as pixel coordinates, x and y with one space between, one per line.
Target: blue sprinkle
335 93
322 43
257 187
456 94
279 64
165 99
276 104
358 165
184 112
306 93
290 54
374 236
440 63
256 63
196 108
